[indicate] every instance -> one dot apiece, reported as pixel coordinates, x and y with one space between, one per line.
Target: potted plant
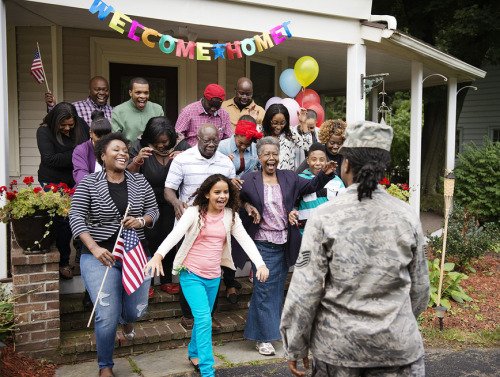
31 211
400 190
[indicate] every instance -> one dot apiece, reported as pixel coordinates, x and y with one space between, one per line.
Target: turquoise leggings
200 294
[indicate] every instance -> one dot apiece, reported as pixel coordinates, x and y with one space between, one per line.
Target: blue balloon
289 84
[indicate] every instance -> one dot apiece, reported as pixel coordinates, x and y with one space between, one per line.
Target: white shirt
190 169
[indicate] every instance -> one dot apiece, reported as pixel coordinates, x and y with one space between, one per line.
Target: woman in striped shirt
104 196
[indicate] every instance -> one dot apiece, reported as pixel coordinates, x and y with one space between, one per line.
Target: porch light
449 187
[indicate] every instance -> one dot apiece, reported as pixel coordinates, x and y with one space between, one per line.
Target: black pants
228 277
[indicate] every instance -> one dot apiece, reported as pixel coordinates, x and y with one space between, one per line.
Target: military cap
365 134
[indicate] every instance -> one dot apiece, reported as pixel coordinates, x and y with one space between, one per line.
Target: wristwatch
142 221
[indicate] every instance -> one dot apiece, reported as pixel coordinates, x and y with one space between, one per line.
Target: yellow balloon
306 70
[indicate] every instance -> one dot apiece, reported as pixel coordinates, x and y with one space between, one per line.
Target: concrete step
162 306
152 335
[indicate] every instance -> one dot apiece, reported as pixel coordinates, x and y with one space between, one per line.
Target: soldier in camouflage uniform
361 279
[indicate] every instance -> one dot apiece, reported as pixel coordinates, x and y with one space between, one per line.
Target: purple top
273 225
83 161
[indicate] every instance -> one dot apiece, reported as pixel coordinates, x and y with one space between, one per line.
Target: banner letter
248 46
183 50
202 51
146 34
263 41
233 50
102 8
131 32
167 38
278 37
117 23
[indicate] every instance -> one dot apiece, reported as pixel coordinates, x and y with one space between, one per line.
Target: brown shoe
216 325
187 323
66 272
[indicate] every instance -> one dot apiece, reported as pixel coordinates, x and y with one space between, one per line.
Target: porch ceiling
331 57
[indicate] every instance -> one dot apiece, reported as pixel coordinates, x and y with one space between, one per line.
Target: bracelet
135 160
142 221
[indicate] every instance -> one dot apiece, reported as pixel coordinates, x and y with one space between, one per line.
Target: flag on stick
37 68
130 252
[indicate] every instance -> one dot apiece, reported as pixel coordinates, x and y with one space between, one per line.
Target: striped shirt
194 115
86 107
190 169
92 199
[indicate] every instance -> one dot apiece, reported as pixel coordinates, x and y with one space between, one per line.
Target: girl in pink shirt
207 227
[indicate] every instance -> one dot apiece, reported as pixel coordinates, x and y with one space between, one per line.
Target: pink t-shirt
205 255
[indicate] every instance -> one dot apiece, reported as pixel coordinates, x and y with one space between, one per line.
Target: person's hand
293 367
49 99
237 182
131 222
330 167
252 212
143 153
174 154
253 112
231 156
302 114
103 256
292 217
155 266
262 273
179 208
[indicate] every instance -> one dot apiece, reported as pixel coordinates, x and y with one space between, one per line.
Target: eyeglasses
275 123
208 142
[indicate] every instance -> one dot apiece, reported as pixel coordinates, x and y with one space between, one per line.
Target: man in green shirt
130 117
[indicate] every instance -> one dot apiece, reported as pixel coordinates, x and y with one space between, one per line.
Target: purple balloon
272 101
294 109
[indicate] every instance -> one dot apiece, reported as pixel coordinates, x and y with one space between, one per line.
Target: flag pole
43 70
107 269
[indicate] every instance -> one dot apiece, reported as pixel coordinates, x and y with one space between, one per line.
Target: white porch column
356 66
4 133
416 135
451 123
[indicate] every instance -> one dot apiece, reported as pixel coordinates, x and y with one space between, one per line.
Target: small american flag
129 251
37 68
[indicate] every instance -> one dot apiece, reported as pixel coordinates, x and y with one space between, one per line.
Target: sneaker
128 335
151 292
172 289
265 349
250 277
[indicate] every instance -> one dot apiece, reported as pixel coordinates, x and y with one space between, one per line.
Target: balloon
288 83
306 70
307 95
272 101
293 108
319 111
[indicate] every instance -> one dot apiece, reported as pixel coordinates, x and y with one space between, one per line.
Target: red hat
248 129
214 91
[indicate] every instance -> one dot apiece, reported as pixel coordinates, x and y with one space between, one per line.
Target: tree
467 29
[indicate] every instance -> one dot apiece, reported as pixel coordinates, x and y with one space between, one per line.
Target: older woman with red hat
206 110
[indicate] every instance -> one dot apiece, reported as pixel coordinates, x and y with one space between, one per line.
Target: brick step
153 335
162 306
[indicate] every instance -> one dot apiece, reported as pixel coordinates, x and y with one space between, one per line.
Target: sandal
130 335
66 272
265 349
108 372
195 366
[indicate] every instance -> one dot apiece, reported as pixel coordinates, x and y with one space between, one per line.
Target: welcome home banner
204 50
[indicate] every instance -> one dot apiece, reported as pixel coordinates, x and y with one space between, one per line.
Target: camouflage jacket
359 284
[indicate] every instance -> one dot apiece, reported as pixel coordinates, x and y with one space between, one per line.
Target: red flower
11 196
72 191
54 188
13 183
2 189
384 181
62 185
36 190
28 181
404 186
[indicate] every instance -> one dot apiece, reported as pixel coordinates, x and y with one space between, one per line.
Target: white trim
451 123
355 97
13 105
109 50
417 73
57 62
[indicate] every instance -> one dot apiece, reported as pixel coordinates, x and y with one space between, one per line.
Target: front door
163 85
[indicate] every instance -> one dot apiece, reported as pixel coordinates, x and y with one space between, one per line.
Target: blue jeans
264 313
200 294
114 304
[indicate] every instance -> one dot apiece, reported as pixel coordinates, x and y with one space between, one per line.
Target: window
494 133
263 76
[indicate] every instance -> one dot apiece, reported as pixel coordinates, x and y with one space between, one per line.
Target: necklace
115 181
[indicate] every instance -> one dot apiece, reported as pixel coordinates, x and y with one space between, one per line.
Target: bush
467 239
6 312
451 284
477 176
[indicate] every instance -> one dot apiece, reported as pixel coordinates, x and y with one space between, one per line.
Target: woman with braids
357 290
207 228
152 156
331 134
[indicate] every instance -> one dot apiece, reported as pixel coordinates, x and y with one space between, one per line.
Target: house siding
481 109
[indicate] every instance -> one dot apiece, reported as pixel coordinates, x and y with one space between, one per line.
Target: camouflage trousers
322 369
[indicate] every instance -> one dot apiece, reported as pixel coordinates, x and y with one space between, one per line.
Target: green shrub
6 312
466 238
477 179
451 284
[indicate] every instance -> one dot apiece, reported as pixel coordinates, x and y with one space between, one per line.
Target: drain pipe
391 20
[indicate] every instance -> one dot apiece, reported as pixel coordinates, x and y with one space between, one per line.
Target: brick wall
36 277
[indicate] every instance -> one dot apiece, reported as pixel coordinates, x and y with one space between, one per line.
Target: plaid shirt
86 107
194 115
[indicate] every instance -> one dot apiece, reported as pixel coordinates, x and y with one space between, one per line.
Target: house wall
481 109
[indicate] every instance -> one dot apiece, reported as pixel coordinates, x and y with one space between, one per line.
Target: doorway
163 85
